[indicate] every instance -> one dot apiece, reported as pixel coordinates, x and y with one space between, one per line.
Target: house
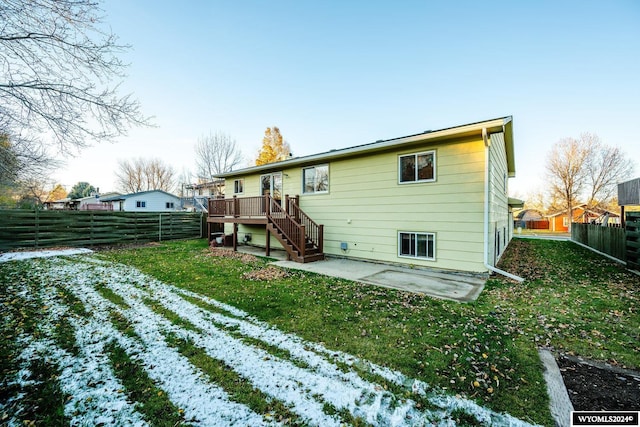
195 196
437 199
531 219
89 203
93 202
145 201
559 221
57 205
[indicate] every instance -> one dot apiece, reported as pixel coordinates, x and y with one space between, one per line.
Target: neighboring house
93 202
195 196
145 201
213 188
436 199
89 203
531 219
559 221
58 205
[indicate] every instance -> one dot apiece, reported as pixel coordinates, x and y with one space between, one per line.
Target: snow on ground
305 381
96 396
18 256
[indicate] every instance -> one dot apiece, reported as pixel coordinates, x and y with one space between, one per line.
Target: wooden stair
311 250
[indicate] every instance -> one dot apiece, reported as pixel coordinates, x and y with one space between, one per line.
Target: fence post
159 227
91 234
37 221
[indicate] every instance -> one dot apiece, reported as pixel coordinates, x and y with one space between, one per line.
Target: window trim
416 233
309 193
235 186
415 156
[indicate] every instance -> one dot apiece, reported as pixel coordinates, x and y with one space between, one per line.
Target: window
416 245
419 167
141 204
315 179
238 186
565 221
169 205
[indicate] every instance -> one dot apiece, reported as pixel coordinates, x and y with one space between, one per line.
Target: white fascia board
492 126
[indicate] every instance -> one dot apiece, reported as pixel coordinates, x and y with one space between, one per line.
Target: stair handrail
285 224
314 231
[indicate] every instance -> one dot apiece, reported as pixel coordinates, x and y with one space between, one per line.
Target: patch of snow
304 390
95 394
184 384
19 256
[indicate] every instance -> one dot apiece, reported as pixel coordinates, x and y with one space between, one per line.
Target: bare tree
535 199
585 169
22 158
605 167
566 171
216 153
33 191
60 74
144 175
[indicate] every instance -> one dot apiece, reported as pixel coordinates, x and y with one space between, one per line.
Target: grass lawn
572 301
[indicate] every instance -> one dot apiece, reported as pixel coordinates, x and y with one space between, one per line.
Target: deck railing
239 206
287 217
314 231
294 231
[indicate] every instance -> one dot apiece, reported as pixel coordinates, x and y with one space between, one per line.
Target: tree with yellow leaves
274 147
57 193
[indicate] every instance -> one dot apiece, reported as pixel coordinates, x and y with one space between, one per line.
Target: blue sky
334 74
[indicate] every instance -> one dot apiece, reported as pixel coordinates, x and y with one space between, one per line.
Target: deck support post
268 242
235 236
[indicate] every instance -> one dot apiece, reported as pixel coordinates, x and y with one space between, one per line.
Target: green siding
366 207
499 224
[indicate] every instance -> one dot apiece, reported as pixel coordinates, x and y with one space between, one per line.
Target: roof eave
502 124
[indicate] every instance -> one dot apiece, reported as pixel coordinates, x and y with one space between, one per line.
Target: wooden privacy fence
632 229
35 229
532 224
608 240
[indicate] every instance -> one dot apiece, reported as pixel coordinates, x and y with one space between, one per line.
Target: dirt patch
229 253
268 273
595 387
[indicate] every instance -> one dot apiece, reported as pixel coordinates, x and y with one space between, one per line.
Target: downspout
487 144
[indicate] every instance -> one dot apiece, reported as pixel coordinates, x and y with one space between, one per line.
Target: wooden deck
300 236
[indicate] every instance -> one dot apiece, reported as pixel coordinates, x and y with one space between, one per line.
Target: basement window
417 245
418 167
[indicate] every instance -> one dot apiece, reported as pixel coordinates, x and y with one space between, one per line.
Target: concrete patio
449 286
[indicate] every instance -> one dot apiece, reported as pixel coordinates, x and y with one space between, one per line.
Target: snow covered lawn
102 304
